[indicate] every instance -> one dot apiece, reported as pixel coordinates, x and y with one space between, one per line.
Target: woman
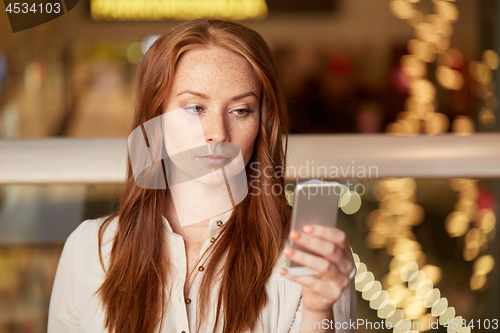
143 270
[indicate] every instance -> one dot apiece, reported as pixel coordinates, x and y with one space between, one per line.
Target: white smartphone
314 202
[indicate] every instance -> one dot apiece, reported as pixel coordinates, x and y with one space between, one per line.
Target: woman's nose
215 127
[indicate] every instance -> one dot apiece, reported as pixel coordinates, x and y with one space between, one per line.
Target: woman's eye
241 112
194 108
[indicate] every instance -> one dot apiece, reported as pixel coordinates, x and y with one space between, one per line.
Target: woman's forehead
213 69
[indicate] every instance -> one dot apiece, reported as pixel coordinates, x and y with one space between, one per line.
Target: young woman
141 270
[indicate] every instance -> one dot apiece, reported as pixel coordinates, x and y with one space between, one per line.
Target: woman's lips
215 160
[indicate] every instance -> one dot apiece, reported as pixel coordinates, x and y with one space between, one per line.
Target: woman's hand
331 259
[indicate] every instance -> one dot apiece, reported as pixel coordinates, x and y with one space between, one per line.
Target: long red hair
134 293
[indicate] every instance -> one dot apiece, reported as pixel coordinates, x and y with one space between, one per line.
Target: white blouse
73 308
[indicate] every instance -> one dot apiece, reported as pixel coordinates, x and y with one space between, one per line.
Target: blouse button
212 239
183 332
188 300
219 223
201 268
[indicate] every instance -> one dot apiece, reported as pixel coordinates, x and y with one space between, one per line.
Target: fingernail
308 229
288 251
283 271
294 235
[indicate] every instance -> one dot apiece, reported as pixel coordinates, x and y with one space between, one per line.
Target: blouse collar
214 223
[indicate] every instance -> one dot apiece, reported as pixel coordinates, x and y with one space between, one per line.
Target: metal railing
103 160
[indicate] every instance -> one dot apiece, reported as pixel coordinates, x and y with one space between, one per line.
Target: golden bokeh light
413 66
422 50
379 299
387 309
180 10
449 78
417 280
437 123
343 198
432 297
488 222
456 224
470 254
474 238
371 289
399 293
479 71
427 32
402 9
433 273
409 270
439 307
468 207
462 125
422 108
477 281
486 117
447 10
491 59
134 53
353 204
484 265
426 287
448 315
414 308
396 317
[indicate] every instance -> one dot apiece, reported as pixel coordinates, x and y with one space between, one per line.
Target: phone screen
314 202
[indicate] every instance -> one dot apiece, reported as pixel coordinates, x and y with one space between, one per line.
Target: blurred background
399 68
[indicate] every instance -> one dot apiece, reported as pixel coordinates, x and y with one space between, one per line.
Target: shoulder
82 246
87 232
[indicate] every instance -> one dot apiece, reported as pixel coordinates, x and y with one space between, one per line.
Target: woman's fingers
319 264
324 288
329 234
331 251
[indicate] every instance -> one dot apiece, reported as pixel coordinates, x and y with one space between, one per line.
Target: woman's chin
212 179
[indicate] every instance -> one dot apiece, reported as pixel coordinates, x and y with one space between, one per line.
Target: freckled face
217 89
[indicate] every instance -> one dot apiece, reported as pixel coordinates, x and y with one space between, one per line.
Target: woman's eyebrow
192 92
250 93
235 98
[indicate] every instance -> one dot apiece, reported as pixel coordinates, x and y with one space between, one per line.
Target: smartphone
314 202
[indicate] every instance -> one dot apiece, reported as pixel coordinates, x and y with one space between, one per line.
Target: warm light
449 78
408 270
344 195
402 9
433 273
427 33
353 204
134 53
180 10
399 294
423 89
467 206
484 265
431 297
488 222
447 10
486 117
414 308
436 123
422 50
439 307
447 316
491 59
477 281
413 66
456 224
462 125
